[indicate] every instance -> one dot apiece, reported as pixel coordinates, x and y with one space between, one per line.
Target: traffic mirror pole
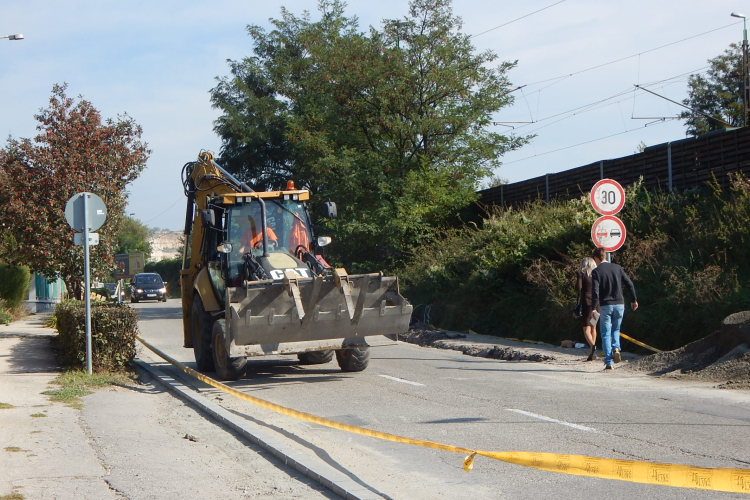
87 292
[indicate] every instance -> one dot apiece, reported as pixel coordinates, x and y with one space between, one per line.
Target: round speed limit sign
607 197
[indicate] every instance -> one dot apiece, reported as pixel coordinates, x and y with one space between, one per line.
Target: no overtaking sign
608 198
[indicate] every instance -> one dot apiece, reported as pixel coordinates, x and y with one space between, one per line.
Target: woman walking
584 289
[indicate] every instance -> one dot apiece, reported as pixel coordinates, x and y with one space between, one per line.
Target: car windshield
149 280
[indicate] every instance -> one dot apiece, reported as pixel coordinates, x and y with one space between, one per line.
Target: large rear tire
354 359
202 325
226 368
315 357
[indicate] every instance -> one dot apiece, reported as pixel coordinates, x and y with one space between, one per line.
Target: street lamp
746 97
399 25
13 37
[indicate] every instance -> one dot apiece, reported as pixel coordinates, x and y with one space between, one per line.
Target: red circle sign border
619 223
617 186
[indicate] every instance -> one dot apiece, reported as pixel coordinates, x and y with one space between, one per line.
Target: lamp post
746 79
13 37
399 25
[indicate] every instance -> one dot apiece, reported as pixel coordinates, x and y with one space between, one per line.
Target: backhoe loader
254 281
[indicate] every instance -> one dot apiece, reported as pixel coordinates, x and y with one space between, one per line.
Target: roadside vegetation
14 288
75 384
513 274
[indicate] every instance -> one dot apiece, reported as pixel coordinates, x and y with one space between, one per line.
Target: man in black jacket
606 281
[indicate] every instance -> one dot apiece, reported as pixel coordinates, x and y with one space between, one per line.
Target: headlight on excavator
324 240
225 247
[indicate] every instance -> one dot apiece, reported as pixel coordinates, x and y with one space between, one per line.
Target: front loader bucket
307 314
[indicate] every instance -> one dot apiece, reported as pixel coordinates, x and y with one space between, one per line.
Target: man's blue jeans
610 320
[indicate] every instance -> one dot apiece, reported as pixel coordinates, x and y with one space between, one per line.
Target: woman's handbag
578 309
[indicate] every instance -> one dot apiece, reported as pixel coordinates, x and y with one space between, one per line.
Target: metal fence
678 164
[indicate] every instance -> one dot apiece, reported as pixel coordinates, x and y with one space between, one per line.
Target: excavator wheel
315 357
226 368
202 325
354 359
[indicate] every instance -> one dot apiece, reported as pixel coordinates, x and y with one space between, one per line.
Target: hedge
14 284
113 331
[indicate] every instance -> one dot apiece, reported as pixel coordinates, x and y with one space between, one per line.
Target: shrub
113 331
5 317
14 284
687 252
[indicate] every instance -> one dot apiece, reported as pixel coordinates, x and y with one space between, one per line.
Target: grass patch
13 449
12 496
6 406
37 415
51 321
76 384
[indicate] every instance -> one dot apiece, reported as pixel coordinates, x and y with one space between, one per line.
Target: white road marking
554 421
396 379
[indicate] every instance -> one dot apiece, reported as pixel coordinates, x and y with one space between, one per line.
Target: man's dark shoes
616 355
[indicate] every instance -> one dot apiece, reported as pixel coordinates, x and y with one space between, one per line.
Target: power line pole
746 78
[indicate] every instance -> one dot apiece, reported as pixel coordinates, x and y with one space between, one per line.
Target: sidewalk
125 443
52 457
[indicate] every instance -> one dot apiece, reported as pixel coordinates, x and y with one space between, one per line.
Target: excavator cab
288 240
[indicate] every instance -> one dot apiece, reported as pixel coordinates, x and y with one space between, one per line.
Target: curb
331 479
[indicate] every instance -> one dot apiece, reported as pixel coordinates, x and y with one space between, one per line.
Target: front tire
202 326
315 357
226 368
354 359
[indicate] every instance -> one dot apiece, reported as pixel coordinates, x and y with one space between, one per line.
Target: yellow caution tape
638 342
682 476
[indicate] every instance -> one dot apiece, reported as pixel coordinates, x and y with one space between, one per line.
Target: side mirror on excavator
208 218
329 210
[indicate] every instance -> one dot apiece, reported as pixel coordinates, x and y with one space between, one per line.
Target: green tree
74 151
718 94
133 237
389 124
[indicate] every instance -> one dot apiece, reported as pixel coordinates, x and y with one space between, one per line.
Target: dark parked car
147 286
112 287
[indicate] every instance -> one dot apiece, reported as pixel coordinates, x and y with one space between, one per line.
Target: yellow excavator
254 281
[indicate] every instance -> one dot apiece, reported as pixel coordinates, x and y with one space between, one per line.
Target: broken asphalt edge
335 481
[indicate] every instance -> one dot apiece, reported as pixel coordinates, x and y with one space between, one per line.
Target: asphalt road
478 403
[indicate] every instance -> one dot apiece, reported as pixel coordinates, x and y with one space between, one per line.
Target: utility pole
746 78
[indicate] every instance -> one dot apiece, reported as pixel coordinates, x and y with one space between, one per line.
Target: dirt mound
723 356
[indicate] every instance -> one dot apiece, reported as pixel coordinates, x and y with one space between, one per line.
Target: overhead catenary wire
577 110
631 56
572 146
164 211
517 19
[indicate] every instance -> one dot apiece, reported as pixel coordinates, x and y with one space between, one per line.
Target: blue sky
157 60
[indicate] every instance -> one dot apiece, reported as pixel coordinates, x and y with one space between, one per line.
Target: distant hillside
165 245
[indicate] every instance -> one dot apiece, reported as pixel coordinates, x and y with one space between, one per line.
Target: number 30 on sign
607 197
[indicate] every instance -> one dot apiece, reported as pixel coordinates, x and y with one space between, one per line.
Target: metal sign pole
87 292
